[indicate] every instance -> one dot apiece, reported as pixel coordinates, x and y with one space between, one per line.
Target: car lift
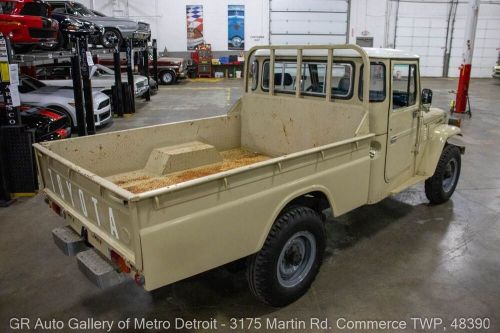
17 167
15 141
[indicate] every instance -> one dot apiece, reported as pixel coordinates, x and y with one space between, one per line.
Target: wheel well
166 70
61 109
316 200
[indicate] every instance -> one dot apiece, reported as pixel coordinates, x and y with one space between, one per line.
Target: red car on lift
27 24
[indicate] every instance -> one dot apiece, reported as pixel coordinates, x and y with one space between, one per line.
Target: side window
403 86
255 74
342 74
377 82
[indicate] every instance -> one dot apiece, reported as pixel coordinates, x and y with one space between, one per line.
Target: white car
103 79
35 92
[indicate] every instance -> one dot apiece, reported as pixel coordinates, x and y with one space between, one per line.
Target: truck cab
402 122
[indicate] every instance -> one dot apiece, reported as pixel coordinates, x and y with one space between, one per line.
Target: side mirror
426 98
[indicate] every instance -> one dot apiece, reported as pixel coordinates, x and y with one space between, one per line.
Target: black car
46 124
69 24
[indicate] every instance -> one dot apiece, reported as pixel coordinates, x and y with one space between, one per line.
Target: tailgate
91 202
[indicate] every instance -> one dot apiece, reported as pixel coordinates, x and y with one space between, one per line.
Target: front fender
437 139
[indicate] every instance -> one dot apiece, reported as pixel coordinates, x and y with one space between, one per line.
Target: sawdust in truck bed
138 182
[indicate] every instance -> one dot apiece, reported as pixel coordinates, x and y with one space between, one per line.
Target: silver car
35 92
115 29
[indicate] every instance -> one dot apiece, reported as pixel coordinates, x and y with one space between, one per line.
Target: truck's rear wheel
440 187
283 270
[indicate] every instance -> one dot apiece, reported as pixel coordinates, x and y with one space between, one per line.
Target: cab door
403 120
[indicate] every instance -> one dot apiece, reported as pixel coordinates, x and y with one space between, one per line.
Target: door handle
393 139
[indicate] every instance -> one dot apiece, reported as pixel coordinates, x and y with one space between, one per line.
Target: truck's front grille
41 33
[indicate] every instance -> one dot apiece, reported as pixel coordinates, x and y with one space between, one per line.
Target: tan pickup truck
334 126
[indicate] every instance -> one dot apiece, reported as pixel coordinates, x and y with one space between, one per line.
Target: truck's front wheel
283 270
442 184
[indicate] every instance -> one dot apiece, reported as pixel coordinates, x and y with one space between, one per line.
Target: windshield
79 10
99 70
28 84
6 7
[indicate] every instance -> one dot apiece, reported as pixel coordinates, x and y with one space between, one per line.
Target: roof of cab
371 51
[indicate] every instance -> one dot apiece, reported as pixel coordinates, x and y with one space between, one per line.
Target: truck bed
142 181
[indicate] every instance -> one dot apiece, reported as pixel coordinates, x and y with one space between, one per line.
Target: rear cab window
312 78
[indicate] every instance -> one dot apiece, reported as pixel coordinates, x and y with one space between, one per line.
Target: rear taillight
118 260
139 279
56 208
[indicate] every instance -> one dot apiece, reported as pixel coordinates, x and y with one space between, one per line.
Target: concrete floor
395 260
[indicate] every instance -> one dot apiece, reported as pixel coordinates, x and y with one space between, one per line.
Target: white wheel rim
167 77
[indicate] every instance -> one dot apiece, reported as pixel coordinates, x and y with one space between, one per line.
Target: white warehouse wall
420 26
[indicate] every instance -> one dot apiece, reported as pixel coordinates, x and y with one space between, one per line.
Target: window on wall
404 85
377 82
312 79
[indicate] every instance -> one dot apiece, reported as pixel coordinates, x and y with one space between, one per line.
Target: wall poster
236 27
194 18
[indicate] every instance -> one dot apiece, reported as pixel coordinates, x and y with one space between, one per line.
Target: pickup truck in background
170 70
167 202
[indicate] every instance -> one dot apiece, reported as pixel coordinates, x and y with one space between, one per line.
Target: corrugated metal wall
308 22
435 31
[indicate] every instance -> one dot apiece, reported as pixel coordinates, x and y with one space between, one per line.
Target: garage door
308 22
486 43
421 29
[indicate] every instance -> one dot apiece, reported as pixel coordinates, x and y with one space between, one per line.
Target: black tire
167 77
440 187
266 281
111 38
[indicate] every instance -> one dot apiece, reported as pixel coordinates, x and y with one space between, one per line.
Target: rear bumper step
68 241
98 269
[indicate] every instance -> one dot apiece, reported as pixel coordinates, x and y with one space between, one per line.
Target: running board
409 183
